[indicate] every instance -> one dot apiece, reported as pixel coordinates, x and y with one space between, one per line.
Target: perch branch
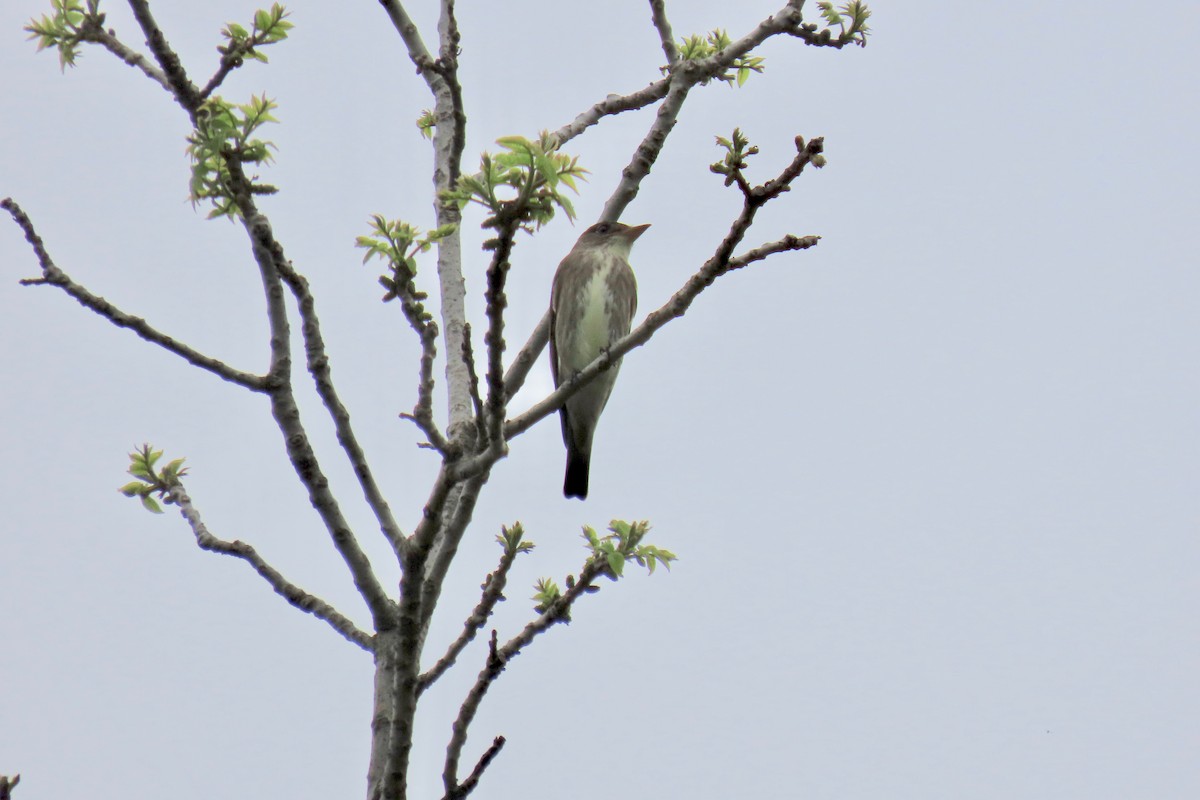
721 262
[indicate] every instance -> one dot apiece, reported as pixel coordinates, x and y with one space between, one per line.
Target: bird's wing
562 412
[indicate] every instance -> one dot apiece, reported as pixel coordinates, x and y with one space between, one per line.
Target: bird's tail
575 483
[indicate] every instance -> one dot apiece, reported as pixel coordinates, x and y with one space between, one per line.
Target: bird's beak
634 231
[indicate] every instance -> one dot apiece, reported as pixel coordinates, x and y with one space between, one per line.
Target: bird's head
615 237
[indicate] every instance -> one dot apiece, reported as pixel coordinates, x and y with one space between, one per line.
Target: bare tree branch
647 152
417 51
318 366
468 786
658 14
496 302
390 762
7 784
447 66
272 265
468 355
788 242
457 511
498 658
493 593
306 602
93 31
53 276
611 105
182 88
422 413
449 138
788 19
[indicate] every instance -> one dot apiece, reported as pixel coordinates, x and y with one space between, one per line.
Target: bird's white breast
595 329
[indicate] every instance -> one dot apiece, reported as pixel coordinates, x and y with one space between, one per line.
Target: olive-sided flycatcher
591 306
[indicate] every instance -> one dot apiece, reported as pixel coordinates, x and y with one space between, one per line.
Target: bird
592 303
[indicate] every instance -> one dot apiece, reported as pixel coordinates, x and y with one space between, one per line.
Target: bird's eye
601 228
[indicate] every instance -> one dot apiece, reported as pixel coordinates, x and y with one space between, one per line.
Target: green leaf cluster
65 28
851 18
269 27
512 539
426 123
697 46
737 150
623 543
226 131
397 243
521 184
151 482
546 592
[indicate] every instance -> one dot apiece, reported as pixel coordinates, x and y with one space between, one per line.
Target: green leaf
151 504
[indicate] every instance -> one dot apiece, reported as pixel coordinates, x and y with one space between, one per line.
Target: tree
520 187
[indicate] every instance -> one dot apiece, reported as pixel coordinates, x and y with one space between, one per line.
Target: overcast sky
933 484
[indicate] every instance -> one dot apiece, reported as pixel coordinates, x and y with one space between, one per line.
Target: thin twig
788 20
468 355
306 602
427 334
53 276
94 32
468 786
610 106
498 658
493 593
232 57
788 242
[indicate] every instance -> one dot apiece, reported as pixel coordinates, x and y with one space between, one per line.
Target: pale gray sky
933 484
